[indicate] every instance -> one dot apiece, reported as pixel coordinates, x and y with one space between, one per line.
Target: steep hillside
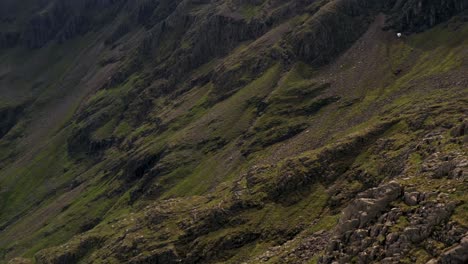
233 131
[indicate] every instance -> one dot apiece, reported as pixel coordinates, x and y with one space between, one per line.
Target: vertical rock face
335 27
42 28
53 20
8 39
419 15
64 19
349 19
8 118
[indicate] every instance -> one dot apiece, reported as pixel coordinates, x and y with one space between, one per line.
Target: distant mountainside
233 131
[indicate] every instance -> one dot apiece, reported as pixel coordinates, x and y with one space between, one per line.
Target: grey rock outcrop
368 206
372 228
458 254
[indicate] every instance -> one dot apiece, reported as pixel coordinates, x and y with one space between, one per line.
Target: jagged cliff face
233 131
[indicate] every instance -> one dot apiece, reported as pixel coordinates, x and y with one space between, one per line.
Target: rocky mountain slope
233 131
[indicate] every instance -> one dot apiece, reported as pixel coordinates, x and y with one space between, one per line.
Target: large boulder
368 206
457 254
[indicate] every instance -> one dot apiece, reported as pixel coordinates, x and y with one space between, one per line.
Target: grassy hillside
233 132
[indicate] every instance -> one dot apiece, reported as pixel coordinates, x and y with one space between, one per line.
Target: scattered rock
412 198
457 254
